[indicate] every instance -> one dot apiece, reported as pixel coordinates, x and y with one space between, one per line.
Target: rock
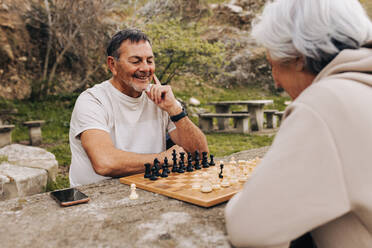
22 59
6 50
233 8
23 181
33 157
194 102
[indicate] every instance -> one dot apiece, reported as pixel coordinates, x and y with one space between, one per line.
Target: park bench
241 121
279 114
34 130
270 118
6 135
7 115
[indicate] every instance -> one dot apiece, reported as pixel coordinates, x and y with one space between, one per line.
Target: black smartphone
68 197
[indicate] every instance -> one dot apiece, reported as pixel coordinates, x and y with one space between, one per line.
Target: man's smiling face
134 68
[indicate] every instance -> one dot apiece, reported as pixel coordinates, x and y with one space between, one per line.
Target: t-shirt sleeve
298 186
89 113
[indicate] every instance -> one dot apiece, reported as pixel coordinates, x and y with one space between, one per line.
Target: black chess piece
157 167
153 176
182 157
211 162
197 162
189 167
165 171
205 160
181 168
174 158
166 164
147 170
220 175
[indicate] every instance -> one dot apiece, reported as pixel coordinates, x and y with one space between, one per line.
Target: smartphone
68 197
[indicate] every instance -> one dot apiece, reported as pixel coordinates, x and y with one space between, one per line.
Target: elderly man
119 125
317 174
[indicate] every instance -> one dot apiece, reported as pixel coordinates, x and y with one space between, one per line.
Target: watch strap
179 116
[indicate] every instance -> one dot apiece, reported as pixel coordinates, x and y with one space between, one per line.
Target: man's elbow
102 167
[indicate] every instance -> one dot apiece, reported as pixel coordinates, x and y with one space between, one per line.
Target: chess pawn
206 186
233 178
225 183
211 163
133 194
216 182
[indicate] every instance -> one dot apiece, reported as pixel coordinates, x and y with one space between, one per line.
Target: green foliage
61 182
178 48
62 153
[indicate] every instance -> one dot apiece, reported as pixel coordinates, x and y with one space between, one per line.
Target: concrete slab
32 157
22 181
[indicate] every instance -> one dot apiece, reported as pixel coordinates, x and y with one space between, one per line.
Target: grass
56 111
226 144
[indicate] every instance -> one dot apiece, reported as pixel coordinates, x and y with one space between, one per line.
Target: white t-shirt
134 124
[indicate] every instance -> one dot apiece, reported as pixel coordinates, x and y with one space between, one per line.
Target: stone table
111 219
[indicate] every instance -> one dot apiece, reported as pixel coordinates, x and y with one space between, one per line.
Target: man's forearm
189 136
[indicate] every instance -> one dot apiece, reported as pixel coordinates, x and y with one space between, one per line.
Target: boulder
32 157
194 102
22 181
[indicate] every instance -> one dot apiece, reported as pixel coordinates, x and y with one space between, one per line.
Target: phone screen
67 197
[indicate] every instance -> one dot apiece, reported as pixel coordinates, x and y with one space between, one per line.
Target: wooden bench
240 119
279 114
34 130
270 118
6 135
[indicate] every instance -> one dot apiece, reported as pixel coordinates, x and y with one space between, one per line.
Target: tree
68 33
178 48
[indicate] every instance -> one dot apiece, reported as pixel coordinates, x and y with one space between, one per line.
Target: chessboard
188 186
179 186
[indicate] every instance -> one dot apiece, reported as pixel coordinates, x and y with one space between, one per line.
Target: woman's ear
300 64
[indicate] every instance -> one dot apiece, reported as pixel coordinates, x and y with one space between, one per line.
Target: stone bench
6 135
279 114
34 130
241 121
270 118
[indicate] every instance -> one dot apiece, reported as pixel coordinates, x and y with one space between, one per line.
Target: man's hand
168 153
162 95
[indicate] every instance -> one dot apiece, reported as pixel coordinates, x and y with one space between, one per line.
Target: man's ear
111 65
300 64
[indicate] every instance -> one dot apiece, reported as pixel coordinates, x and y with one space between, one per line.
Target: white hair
315 29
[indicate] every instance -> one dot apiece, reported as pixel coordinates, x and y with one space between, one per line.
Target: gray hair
314 29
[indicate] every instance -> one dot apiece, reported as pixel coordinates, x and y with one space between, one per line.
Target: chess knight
120 124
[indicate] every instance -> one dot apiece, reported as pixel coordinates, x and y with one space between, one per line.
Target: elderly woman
317 175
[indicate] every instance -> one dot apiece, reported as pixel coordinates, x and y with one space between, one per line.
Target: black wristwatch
178 117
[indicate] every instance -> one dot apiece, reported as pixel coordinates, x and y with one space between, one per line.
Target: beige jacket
317 174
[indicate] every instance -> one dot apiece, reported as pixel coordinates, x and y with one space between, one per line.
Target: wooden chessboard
179 186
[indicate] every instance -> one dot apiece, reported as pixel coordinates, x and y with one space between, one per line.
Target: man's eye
136 62
150 62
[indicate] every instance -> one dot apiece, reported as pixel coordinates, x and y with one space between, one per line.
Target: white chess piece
206 187
133 194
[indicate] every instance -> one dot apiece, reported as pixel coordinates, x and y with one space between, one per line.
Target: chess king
120 124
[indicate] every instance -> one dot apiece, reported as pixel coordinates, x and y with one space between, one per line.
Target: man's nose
145 66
